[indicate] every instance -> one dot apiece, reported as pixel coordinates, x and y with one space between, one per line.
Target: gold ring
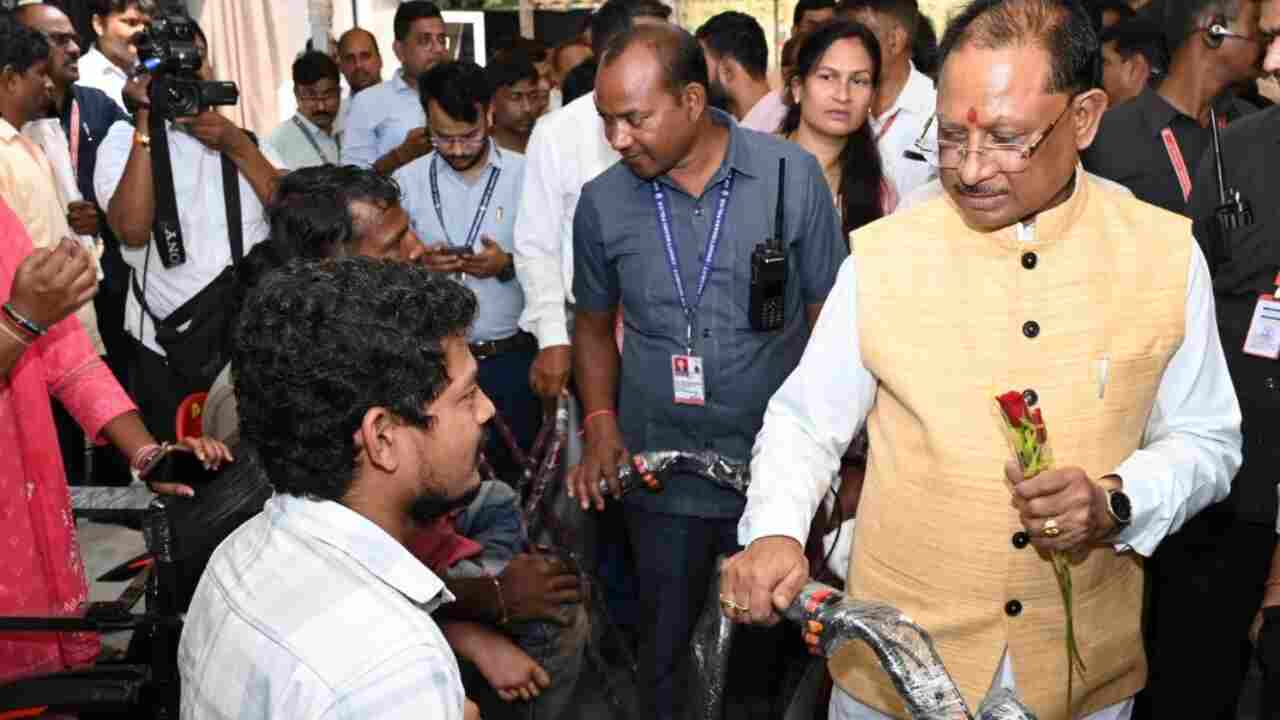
729 604
1051 529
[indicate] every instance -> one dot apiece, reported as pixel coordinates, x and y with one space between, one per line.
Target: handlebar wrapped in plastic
649 470
903 648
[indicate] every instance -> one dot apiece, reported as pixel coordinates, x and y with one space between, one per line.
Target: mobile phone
458 250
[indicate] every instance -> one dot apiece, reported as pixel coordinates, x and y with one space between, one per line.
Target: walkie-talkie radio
767 308
1233 211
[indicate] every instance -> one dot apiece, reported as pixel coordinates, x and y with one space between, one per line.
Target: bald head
64 44
357 34
679 56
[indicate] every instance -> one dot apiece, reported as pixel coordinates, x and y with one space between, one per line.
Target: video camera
167 50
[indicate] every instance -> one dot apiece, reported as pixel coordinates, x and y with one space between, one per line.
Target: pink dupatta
41 571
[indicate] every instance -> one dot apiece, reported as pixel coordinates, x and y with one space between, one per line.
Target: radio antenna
779 217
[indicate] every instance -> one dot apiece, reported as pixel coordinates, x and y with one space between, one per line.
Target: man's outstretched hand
761 581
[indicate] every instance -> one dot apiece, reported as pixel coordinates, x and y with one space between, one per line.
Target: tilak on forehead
972 117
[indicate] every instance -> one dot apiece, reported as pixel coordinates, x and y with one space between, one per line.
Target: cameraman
125 184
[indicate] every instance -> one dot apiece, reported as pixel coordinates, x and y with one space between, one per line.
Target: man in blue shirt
385 126
667 237
461 199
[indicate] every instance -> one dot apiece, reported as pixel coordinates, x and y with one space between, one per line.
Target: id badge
687 380
1263 339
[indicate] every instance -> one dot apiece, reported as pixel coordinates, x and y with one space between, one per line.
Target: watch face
1121 506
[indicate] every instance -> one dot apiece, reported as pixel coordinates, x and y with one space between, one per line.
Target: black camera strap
165 227
235 235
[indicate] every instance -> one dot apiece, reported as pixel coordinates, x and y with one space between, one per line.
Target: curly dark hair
320 343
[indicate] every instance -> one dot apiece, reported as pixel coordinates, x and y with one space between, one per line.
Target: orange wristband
606 411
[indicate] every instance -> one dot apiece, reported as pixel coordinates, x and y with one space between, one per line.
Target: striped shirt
310 610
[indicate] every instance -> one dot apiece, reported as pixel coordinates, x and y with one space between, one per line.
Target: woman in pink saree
44 351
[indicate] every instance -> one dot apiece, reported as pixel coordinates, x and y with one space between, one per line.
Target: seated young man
368 424
504 593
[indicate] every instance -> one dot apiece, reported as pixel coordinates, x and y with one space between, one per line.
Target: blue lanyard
478 220
673 262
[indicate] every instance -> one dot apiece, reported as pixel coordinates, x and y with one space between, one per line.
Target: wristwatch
1119 507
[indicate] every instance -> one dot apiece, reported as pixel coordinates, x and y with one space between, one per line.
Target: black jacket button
1013 608
1029 260
1021 539
1030 397
1031 328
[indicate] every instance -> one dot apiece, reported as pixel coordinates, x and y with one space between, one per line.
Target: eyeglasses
465 140
1009 157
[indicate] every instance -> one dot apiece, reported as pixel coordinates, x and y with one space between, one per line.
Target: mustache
978 190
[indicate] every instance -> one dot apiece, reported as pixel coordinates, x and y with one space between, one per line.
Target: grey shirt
619 259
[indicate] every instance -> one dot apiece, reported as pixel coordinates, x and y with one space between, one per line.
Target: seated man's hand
470 711
536 586
762 580
508 669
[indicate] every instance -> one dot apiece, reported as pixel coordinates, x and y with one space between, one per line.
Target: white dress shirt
310 611
379 120
300 143
905 121
96 71
567 149
197 178
1190 449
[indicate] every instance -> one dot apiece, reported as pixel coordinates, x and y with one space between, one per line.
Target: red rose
1014 407
1042 433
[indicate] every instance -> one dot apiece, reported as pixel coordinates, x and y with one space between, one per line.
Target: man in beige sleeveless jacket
1026 275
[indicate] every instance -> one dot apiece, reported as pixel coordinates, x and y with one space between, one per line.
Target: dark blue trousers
505 379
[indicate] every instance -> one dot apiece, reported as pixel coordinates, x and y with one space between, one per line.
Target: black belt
519 341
